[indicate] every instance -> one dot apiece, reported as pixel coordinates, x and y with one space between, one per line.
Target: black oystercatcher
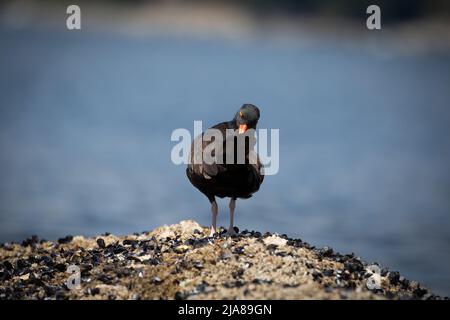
233 177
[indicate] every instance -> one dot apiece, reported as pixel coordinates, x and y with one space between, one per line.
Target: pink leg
231 231
214 210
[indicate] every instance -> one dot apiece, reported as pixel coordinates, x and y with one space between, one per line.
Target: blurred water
85 124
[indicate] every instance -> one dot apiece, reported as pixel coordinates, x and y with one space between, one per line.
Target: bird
231 179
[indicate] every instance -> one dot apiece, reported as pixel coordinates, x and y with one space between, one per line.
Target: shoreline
180 262
229 22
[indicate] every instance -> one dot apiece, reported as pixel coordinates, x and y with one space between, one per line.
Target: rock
128 242
163 232
151 262
414 285
316 275
420 292
8 265
95 291
179 296
394 277
61 267
60 294
275 240
328 272
189 228
185 229
118 249
22 264
239 250
225 255
25 277
354 266
85 268
181 249
282 254
66 239
105 278
238 273
101 243
30 241
157 280
180 261
325 252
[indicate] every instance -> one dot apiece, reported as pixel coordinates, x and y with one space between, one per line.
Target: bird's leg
231 231
214 210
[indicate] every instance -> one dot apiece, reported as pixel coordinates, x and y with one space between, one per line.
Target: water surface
86 119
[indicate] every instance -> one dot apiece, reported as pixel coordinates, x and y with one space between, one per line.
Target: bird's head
247 117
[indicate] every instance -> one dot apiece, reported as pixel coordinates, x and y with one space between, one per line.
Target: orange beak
242 128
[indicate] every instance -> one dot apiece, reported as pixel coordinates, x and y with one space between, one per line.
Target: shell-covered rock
180 261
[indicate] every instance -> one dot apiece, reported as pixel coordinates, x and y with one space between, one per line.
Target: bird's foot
231 232
213 232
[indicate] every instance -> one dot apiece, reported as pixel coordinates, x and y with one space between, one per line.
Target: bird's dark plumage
229 180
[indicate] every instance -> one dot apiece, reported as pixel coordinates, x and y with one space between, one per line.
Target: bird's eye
241 114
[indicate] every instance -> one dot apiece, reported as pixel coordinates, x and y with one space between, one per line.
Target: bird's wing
256 165
198 164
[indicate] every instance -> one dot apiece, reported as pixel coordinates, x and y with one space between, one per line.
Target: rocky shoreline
181 262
